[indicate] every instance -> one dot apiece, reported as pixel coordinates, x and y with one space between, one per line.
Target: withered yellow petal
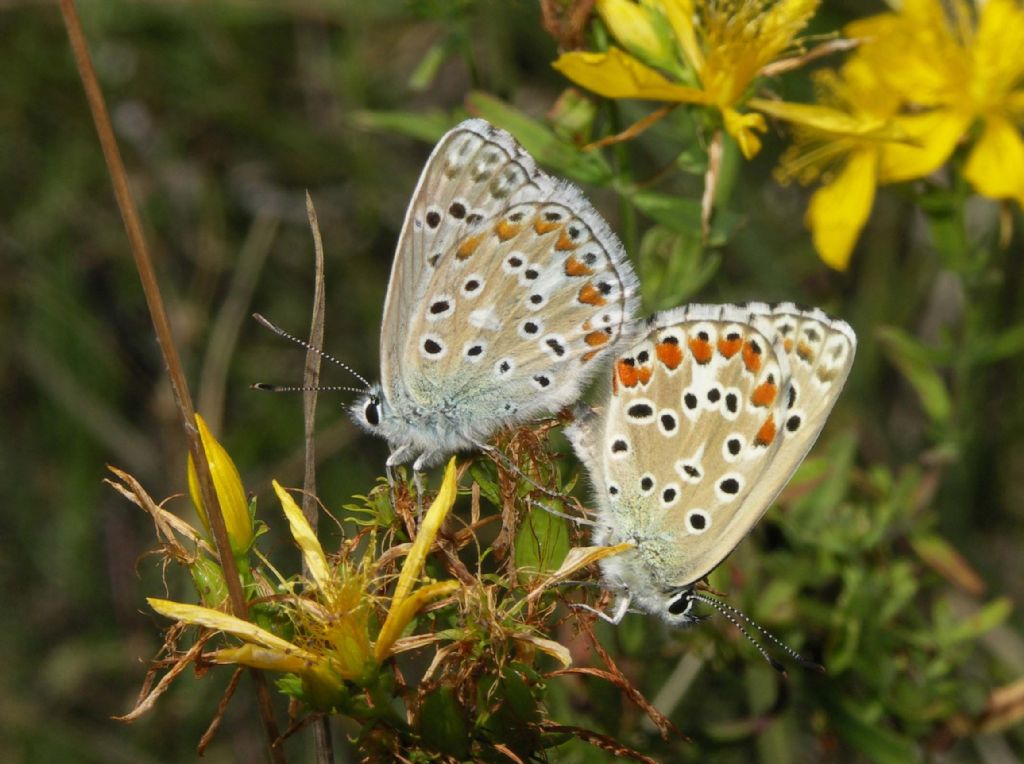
578 558
995 166
403 612
616 74
262 658
312 552
838 210
214 619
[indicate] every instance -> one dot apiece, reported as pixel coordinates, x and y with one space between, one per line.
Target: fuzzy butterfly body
707 418
507 291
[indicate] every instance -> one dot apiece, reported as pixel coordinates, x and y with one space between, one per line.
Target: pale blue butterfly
707 418
507 292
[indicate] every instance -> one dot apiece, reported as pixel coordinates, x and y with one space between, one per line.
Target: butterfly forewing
470 176
515 310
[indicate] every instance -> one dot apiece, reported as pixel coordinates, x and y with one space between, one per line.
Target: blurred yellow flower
718 48
955 65
228 485
913 91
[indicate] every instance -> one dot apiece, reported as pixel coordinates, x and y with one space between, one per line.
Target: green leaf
917 364
875 742
426 126
488 487
986 619
675 212
542 143
542 541
442 723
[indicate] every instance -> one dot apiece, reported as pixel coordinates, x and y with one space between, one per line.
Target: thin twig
323 748
165 339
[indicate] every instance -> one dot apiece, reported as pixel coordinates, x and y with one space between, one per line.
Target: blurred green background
227 112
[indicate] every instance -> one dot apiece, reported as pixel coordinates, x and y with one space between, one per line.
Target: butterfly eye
681 604
372 412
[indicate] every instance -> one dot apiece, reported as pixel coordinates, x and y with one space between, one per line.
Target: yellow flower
931 78
333 629
720 48
228 485
958 68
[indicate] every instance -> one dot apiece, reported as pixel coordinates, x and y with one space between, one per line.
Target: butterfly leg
621 608
497 455
419 478
396 457
564 515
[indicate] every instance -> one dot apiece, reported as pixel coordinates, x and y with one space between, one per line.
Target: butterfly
507 291
707 418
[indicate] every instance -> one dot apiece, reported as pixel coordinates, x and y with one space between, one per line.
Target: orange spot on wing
643 373
627 374
506 229
701 350
788 345
751 358
805 353
764 394
669 353
590 295
589 356
596 339
574 267
542 226
565 243
615 383
468 246
766 434
728 347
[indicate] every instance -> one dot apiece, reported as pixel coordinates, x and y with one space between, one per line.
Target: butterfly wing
708 418
520 287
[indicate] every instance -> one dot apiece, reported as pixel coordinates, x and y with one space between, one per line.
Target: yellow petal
838 210
312 552
680 16
636 30
933 137
214 619
742 127
998 50
431 524
616 74
828 120
262 658
403 612
228 485
995 166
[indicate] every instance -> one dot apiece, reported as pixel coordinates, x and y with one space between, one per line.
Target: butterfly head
369 410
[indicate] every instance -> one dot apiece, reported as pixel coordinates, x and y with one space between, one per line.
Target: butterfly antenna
735 615
291 389
282 333
564 515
